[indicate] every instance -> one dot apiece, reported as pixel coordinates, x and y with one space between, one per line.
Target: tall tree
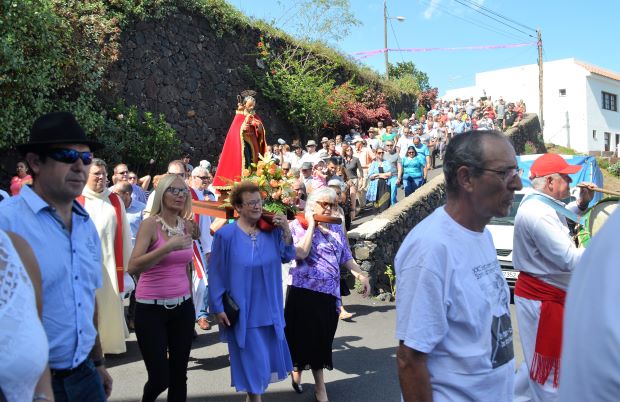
402 69
327 21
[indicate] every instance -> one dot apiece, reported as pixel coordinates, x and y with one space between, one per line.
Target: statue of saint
244 143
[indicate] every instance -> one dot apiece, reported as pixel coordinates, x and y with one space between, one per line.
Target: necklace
172 231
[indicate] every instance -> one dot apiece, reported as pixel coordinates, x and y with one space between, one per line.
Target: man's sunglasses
70 155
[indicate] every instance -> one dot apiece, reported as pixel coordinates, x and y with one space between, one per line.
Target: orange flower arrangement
275 186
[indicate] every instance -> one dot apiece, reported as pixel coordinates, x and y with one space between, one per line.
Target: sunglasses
203 178
326 204
176 191
132 178
70 155
379 153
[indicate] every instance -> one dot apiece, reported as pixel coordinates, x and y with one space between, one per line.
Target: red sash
118 239
549 334
196 250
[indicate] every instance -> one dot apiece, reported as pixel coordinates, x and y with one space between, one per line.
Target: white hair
539 183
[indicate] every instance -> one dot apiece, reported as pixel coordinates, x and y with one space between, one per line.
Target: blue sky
570 28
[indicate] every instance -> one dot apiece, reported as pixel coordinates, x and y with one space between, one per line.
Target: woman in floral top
313 302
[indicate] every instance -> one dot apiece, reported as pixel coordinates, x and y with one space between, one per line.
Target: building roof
598 70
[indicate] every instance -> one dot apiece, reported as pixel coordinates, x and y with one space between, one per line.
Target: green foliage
134 138
603 163
529 148
421 111
302 86
614 169
408 69
389 272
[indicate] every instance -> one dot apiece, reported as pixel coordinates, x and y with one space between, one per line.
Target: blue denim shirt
70 264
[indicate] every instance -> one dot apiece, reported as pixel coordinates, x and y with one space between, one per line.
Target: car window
510 218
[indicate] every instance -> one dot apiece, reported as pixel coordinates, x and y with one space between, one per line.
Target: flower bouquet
275 187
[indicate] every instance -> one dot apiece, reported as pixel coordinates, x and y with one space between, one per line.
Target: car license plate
510 274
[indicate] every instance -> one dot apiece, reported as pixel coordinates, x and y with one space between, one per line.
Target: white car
502 230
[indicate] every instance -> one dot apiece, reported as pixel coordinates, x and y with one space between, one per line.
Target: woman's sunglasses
325 204
70 155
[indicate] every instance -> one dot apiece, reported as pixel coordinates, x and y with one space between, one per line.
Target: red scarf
549 335
118 238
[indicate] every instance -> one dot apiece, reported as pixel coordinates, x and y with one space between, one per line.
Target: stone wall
528 130
178 66
376 242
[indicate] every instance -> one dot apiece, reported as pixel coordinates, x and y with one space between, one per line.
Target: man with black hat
545 255
68 251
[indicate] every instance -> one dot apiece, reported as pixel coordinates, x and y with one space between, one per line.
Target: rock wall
528 130
376 242
178 66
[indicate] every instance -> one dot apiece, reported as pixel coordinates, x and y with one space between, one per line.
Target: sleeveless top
168 278
23 343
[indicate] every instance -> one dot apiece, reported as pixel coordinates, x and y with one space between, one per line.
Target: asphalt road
364 361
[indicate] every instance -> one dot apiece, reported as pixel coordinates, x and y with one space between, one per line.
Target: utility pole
385 44
540 79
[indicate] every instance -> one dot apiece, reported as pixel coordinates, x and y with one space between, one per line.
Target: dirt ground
610 182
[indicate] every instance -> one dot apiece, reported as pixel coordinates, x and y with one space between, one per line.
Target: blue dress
251 270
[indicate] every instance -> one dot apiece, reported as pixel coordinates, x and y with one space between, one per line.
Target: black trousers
165 340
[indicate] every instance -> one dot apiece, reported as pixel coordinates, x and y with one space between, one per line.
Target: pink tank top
168 278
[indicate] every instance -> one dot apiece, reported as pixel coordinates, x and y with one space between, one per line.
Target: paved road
364 360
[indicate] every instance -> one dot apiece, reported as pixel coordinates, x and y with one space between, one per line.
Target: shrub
614 169
529 148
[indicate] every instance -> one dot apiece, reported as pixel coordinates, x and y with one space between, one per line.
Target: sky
585 30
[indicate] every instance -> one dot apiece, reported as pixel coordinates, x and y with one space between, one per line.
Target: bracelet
40 397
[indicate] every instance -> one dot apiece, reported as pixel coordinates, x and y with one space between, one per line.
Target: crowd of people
76 245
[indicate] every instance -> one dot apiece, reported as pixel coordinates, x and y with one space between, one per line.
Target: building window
610 101
563 92
594 135
607 141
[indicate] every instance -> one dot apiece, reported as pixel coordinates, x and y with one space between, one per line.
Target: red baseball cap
551 163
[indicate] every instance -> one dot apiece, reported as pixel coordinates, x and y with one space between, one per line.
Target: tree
408 68
318 20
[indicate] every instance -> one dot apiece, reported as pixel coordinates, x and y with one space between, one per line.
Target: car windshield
510 218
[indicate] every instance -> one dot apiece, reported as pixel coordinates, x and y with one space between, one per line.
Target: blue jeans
411 184
393 189
205 310
82 385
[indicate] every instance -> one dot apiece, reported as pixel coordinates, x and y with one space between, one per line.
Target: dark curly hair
236 195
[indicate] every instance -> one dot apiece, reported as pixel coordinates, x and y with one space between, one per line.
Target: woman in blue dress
247 262
414 170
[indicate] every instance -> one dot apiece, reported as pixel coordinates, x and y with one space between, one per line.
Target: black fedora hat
57 128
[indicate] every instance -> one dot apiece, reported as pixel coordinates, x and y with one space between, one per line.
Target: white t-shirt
591 346
403 143
453 304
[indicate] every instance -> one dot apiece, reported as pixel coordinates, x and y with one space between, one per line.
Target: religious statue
244 143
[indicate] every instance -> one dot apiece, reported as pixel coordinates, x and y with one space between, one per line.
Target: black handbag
231 308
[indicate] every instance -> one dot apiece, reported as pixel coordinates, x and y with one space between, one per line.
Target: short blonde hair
162 186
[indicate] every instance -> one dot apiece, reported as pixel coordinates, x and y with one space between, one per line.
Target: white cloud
432 6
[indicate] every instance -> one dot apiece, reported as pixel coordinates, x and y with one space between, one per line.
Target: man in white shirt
452 309
591 339
545 255
404 142
311 156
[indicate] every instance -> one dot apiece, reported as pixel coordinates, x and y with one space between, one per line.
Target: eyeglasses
252 203
70 155
203 178
379 153
506 175
326 204
176 191
286 169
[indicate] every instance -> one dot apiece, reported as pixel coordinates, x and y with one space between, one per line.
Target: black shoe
297 387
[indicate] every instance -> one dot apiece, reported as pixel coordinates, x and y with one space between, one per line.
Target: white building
580 100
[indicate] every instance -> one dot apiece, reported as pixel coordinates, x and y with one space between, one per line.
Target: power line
493 18
396 39
499 15
474 22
